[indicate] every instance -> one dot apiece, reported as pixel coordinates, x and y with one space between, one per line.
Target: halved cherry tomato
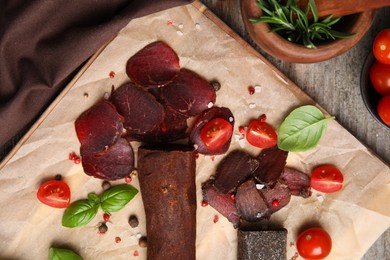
380 77
216 133
314 243
54 193
261 134
381 47
326 178
383 108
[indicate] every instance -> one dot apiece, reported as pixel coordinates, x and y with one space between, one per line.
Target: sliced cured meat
166 132
223 203
202 120
250 204
271 164
99 127
142 112
116 162
277 197
189 93
167 181
297 181
156 64
235 168
173 128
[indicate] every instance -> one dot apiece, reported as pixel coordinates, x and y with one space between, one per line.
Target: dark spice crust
262 245
167 182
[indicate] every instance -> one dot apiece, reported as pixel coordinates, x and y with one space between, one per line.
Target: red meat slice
250 203
277 198
271 164
155 64
142 112
208 115
297 181
99 127
167 132
189 93
235 168
223 203
115 162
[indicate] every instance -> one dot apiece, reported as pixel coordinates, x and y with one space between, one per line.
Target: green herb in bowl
294 24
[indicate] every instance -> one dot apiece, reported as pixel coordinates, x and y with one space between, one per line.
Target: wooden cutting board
355 217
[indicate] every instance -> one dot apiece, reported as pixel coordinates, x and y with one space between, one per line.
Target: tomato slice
216 133
261 134
326 178
54 193
314 243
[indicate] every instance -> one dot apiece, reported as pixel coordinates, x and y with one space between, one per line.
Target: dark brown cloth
44 43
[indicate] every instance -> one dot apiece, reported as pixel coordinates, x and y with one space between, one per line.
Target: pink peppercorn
251 90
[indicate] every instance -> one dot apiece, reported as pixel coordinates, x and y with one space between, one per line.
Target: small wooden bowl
277 46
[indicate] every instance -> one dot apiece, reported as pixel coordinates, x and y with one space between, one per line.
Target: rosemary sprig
293 23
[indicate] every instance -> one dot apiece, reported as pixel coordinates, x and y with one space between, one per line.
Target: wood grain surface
334 84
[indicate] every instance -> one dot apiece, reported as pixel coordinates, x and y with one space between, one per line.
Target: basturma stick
167 182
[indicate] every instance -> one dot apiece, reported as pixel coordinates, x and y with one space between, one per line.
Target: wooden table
334 84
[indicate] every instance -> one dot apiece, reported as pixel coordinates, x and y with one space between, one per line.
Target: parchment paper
354 217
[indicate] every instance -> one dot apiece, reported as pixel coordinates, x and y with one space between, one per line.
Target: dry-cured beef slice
116 162
297 181
155 65
262 244
235 168
99 127
189 93
167 182
250 203
167 132
202 120
173 128
271 164
141 110
277 197
221 202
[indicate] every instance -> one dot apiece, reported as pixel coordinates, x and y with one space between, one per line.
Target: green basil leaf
117 197
79 213
302 129
63 254
93 198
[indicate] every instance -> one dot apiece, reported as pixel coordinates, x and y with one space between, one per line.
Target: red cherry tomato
326 178
381 47
380 77
383 108
314 243
216 133
55 194
261 134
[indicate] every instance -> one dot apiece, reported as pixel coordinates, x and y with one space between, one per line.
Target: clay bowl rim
369 95
277 46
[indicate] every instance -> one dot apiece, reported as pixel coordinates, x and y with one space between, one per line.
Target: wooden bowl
277 46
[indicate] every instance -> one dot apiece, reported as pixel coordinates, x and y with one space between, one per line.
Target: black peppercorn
106 185
103 228
133 221
142 242
216 85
